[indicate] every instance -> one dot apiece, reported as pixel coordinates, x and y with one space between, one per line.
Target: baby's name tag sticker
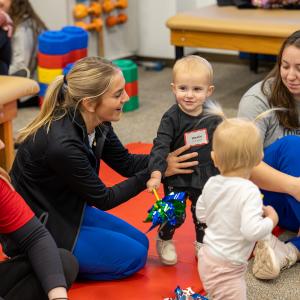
196 137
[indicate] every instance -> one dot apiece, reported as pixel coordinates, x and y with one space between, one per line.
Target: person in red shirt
37 269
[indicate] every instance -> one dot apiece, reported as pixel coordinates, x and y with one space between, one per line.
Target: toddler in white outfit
232 208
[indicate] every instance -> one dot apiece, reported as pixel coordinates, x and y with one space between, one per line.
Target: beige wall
144 34
119 41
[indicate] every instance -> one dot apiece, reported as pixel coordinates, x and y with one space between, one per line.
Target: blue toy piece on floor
186 294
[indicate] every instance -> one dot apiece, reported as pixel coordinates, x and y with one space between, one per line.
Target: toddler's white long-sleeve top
232 209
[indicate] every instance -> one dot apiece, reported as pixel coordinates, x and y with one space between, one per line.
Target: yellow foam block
48 75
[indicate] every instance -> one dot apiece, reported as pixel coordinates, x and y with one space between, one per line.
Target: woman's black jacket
57 174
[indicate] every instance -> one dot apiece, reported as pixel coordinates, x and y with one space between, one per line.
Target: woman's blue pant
108 248
283 155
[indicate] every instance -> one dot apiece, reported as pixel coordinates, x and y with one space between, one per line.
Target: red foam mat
155 281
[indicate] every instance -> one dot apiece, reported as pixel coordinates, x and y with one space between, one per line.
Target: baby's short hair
192 63
237 144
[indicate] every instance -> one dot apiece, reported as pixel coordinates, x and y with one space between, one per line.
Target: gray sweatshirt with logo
253 103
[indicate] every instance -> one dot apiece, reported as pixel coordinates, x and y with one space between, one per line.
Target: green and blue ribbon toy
167 209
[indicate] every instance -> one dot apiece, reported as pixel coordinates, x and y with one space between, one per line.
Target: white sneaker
166 251
197 246
271 256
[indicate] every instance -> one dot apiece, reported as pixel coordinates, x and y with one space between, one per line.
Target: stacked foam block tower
130 73
57 49
67 68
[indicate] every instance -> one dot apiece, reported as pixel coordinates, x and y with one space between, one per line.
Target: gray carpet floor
155 97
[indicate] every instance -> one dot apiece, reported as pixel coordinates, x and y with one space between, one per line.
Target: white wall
122 40
55 13
154 36
200 3
119 41
144 34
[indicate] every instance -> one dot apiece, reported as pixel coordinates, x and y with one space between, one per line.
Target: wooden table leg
8 112
7 154
254 62
179 52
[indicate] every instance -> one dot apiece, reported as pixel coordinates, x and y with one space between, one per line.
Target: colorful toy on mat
187 294
167 209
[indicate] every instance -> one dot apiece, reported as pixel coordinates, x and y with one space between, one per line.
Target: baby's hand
270 212
153 183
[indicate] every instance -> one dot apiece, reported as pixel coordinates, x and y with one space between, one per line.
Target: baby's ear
173 87
210 90
260 159
212 155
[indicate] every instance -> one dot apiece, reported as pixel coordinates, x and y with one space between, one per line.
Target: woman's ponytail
54 98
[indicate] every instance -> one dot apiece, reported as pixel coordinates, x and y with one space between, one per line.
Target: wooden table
248 30
11 89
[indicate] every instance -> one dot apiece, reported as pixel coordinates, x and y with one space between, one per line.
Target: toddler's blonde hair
237 144
193 63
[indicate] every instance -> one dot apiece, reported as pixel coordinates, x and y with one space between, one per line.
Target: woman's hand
177 163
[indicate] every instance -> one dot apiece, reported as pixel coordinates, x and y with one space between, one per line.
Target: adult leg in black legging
5 52
18 280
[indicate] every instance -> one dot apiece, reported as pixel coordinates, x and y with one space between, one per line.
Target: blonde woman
57 165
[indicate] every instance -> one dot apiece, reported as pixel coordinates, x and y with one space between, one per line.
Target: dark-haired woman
279 175
27 26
